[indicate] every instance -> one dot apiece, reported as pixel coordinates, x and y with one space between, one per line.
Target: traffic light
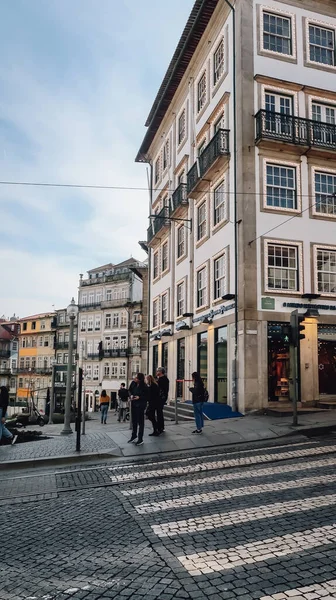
286 334
296 328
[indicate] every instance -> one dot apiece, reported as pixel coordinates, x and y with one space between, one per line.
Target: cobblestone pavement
241 523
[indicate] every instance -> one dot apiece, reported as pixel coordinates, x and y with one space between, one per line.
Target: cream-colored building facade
282 200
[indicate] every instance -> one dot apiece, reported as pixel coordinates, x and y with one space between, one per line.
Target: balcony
272 126
115 277
116 302
158 222
64 345
93 356
217 151
89 306
34 371
116 353
4 353
179 197
5 370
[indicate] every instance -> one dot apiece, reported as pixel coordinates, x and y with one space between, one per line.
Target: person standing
139 402
123 396
163 383
4 401
104 406
198 392
154 403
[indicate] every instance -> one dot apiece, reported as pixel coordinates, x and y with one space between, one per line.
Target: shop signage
268 303
212 313
318 306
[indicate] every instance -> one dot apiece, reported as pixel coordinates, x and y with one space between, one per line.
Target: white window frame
165 155
109 295
114 369
95 374
180 298
221 205
165 257
164 308
205 295
90 324
203 223
122 369
220 277
156 265
219 65
97 323
326 27
299 258
330 249
326 172
115 320
108 321
180 243
182 115
297 171
281 15
155 319
202 91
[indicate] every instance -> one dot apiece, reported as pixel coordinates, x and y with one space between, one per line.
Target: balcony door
324 132
279 105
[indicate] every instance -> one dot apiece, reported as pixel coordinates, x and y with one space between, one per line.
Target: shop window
278 363
221 365
327 359
202 356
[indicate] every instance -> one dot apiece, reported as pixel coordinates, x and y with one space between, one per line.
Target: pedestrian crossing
220 464
264 532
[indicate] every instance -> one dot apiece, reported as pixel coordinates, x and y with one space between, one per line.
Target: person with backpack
199 396
123 396
104 406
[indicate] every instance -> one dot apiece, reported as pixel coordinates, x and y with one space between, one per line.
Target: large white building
261 213
111 324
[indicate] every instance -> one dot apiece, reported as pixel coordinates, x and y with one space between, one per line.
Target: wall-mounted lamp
312 312
188 314
229 297
207 321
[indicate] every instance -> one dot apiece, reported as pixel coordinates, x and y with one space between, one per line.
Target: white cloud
83 128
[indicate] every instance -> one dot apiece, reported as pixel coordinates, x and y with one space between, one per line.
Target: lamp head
72 309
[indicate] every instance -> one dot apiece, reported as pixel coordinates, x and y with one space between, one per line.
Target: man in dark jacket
163 383
123 395
4 400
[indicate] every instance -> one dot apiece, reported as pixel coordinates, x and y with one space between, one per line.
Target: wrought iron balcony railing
294 130
179 197
157 222
89 306
218 146
115 302
116 353
64 345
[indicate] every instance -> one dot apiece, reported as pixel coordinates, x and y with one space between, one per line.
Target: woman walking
104 406
198 398
154 403
139 402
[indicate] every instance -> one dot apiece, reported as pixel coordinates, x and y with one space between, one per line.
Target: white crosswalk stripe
268 471
219 520
229 463
227 494
322 591
277 547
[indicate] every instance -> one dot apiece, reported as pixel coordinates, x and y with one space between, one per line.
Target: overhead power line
121 188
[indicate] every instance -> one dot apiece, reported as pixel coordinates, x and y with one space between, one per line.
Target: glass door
280 123
221 365
180 367
202 356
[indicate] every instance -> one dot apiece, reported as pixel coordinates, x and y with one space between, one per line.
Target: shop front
326 360
278 362
221 365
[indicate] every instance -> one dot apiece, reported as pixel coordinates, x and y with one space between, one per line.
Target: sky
77 81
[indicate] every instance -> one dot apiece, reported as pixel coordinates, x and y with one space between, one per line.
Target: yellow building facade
36 355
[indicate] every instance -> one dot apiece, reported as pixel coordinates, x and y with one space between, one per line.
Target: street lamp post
52 392
72 312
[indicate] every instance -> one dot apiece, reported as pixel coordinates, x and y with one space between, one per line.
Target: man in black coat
163 383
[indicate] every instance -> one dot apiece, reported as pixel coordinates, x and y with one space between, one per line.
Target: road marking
229 463
325 591
259 551
207 497
268 471
235 517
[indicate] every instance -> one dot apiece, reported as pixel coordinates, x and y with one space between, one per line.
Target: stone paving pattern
113 437
275 540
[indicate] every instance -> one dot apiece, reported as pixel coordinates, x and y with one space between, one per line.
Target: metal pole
295 388
52 395
79 411
176 411
67 412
